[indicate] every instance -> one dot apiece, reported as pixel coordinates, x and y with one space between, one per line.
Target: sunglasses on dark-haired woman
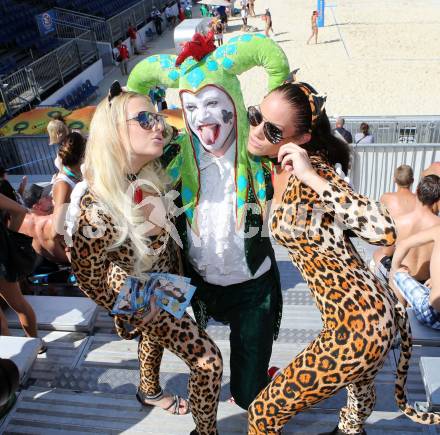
271 132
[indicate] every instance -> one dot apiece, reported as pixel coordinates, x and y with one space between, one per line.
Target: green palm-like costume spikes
219 68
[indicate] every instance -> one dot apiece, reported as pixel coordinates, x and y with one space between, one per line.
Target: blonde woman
108 243
57 131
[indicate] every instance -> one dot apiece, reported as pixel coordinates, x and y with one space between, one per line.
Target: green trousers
251 310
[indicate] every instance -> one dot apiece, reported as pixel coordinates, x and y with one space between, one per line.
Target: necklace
71 174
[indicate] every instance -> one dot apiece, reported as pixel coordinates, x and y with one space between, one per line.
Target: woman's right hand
150 316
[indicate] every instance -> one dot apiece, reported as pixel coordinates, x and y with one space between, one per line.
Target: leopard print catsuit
101 272
359 315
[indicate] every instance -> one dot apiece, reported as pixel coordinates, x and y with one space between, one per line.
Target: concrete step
63 350
59 313
57 411
22 351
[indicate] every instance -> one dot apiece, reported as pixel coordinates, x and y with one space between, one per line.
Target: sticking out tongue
209 133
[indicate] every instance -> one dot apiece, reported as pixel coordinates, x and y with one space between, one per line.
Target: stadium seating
78 97
20 34
101 8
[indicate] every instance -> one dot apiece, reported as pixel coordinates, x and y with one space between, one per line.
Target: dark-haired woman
313 207
364 136
313 19
71 155
46 230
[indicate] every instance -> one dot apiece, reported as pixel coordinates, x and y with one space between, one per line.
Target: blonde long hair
106 167
57 131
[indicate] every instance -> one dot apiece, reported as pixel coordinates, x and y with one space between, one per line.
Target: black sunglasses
147 120
271 132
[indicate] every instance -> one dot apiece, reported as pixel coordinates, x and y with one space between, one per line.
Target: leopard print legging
184 339
101 272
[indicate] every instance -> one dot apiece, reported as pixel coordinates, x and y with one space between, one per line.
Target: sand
372 57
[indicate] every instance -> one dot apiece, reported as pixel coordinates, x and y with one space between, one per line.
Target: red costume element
199 46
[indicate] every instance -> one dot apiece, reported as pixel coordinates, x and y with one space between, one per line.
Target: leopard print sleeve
368 219
90 243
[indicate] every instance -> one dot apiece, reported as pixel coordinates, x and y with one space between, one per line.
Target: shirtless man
424 216
397 203
424 299
433 169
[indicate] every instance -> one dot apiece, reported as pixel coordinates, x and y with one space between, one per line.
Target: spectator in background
157 96
187 5
9 287
169 15
132 34
364 135
267 17
71 153
123 57
6 188
397 203
157 20
434 168
115 52
244 17
424 299
404 200
221 10
217 27
230 9
422 217
251 5
341 132
314 23
57 131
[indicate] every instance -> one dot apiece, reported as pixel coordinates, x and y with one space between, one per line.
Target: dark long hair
72 149
322 140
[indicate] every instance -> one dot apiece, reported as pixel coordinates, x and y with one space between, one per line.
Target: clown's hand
341 173
295 159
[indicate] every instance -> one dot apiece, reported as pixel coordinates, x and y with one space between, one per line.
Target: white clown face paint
210 114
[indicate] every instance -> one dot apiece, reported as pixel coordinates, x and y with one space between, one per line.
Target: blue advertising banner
46 22
321 8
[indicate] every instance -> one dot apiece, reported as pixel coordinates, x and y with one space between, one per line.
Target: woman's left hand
295 159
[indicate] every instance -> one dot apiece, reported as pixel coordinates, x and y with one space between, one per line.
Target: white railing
371 174
374 165
21 88
67 20
137 14
397 129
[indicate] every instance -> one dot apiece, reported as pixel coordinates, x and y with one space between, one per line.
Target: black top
7 190
345 134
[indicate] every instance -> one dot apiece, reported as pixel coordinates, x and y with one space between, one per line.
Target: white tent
216 3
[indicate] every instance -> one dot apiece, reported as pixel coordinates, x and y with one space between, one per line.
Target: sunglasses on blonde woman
271 132
147 120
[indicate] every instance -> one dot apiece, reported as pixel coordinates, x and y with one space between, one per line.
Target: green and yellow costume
253 309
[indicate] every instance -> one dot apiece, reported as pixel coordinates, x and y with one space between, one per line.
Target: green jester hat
219 68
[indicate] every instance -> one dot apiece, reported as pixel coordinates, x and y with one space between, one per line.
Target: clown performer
224 191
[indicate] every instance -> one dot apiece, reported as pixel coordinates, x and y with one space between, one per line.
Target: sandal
174 408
